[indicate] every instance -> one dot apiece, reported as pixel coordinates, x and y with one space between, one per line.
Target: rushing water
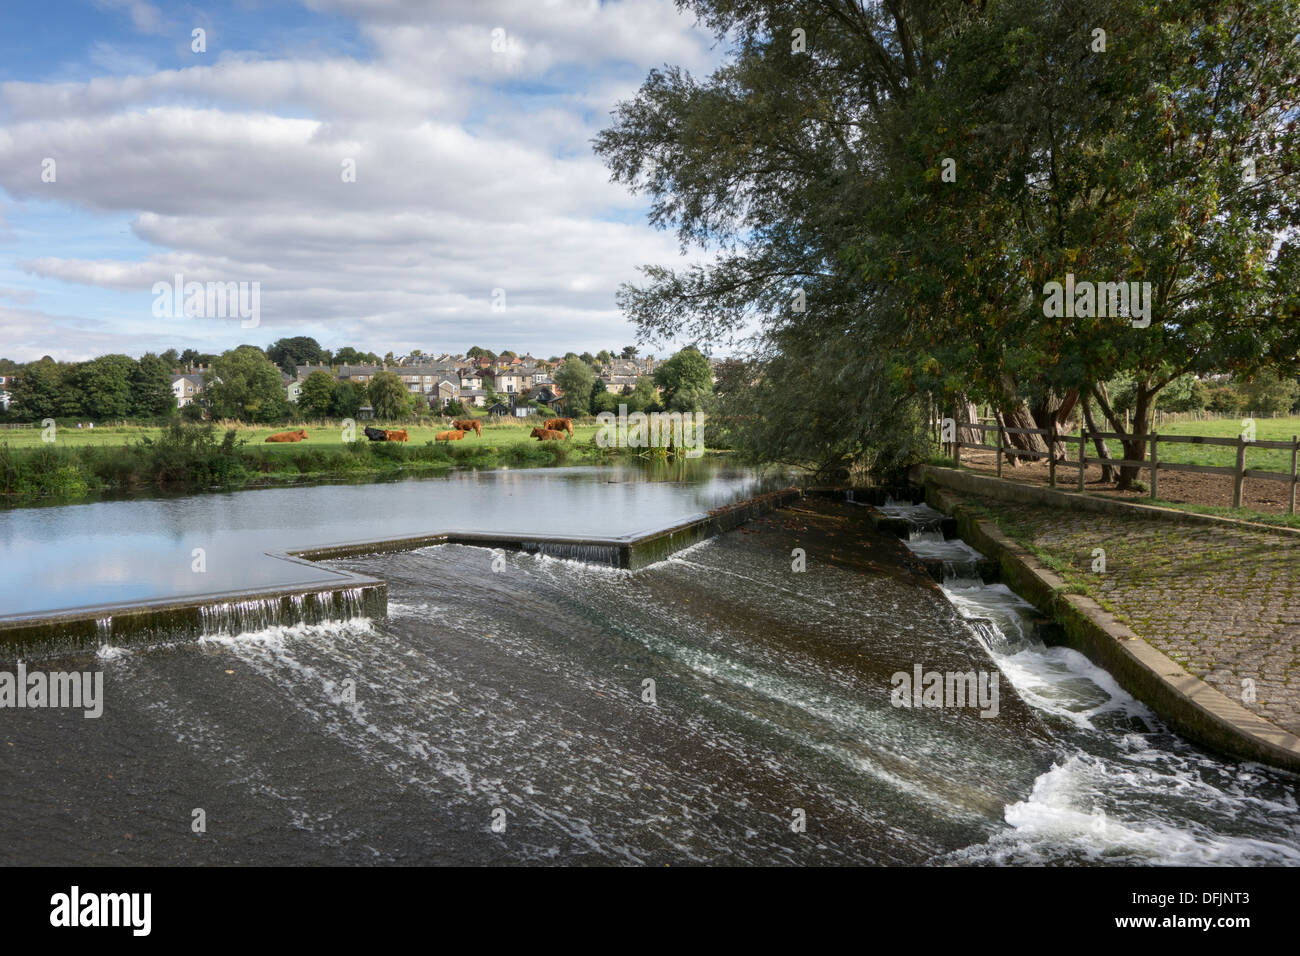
1122 787
520 694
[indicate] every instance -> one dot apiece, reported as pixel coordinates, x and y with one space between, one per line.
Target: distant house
185 387
366 411
546 396
6 396
499 410
507 380
292 387
473 396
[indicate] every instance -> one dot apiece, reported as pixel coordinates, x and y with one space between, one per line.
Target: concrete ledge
78 630
1185 702
1000 489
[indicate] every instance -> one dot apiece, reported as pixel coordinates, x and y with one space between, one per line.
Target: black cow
376 434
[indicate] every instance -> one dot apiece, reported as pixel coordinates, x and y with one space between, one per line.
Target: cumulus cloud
473 171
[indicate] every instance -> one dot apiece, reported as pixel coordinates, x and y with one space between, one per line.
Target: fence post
1000 456
1051 455
1155 465
956 442
1295 447
1239 477
1083 453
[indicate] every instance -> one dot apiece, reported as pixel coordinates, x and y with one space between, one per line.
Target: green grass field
498 435
1266 429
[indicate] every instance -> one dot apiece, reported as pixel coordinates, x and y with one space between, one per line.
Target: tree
476 353
103 386
603 357
350 356
1268 394
289 353
687 380
37 391
316 399
192 359
347 400
388 396
644 395
575 379
629 352
979 151
151 387
244 384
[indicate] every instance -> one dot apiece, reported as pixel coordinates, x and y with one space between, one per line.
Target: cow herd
381 434
555 428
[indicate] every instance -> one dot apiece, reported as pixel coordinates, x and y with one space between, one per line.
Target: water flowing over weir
518 681
1123 788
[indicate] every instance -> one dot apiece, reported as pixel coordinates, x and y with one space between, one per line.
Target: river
504 715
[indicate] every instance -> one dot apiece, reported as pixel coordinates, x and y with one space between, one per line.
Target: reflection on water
119 551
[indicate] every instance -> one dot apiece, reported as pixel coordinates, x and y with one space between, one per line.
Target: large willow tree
885 189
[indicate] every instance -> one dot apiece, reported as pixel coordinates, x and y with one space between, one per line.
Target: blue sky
127 158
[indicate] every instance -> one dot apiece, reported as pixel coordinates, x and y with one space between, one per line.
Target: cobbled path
1222 601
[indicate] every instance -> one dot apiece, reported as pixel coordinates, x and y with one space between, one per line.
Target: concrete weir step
985 568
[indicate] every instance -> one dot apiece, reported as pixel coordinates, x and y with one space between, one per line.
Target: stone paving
1222 601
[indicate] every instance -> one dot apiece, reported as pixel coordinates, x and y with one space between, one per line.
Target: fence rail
1151 463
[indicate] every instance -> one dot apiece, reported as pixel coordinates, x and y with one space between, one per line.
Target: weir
340 595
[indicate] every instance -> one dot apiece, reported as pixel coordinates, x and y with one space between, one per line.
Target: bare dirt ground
1175 486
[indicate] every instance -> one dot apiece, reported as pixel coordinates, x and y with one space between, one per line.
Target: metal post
1000 456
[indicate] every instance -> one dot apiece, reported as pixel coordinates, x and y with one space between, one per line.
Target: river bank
192 459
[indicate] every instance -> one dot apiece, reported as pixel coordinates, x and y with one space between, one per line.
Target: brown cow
548 434
396 435
299 435
469 425
560 424
449 436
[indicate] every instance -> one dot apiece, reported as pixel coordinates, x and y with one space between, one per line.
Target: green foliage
317 396
822 173
151 388
244 384
575 379
289 353
36 394
687 381
388 396
1269 394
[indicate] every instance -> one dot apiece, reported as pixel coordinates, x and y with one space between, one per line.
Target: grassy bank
200 458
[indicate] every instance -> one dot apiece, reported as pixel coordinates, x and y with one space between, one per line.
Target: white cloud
474 171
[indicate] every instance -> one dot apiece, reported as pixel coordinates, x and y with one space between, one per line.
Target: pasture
326 434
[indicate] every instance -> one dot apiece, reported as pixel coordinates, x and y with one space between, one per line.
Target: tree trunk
1135 441
1052 413
1021 417
1103 451
968 414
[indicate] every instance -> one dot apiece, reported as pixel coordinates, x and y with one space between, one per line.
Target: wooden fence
1152 463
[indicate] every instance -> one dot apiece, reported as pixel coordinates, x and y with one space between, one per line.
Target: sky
385 171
